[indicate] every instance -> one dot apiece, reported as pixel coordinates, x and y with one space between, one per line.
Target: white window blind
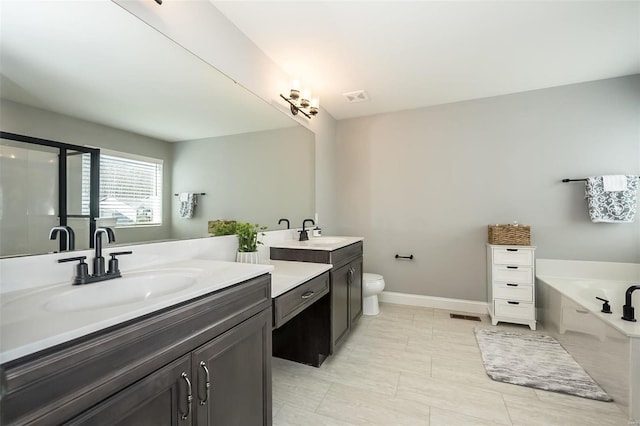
130 190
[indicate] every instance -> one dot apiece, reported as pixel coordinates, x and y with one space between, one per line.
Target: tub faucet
304 235
98 260
70 236
627 309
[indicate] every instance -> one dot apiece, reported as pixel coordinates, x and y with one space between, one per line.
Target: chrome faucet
70 236
304 234
98 260
627 309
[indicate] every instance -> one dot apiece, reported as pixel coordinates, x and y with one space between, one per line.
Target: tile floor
417 366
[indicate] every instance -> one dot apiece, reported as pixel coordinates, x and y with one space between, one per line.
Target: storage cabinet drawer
512 291
513 256
513 274
514 309
291 303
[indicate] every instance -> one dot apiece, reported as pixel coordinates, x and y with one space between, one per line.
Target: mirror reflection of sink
131 288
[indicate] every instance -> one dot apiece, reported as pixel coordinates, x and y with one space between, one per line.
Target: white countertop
288 275
324 243
29 324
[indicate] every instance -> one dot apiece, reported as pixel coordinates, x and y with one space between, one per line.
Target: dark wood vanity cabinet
345 284
155 370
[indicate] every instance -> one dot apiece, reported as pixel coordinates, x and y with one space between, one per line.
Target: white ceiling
410 54
95 61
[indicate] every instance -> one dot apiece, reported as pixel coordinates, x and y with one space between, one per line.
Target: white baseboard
460 305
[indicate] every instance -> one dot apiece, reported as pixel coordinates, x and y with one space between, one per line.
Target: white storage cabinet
510 284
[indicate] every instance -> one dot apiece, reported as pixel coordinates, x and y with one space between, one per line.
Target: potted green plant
248 242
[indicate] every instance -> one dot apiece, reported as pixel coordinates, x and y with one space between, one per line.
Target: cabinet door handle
207 384
350 276
512 285
513 303
512 249
185 416
512 267
580 311
307 294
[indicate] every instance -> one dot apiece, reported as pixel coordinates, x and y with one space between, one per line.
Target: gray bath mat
536 361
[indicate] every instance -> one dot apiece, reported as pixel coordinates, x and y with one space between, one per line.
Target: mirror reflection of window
130 189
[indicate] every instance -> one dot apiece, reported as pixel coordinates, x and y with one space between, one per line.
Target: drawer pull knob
512 285
308 294
512 249
512 267
513 303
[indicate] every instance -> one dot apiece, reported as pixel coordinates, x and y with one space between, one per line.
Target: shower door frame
94 179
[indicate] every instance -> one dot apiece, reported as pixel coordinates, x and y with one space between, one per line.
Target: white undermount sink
326 241
131 288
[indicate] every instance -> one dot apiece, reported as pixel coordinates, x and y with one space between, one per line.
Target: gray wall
428 181
25 120
255 177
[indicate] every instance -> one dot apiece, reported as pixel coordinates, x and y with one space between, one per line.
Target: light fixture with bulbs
301 101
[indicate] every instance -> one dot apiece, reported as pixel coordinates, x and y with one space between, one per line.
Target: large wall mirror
166 123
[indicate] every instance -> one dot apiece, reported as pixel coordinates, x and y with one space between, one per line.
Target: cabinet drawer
512 256
513 274
291 303
515 310
512 291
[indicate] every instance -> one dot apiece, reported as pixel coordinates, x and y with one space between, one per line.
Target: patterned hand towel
187 204
611 206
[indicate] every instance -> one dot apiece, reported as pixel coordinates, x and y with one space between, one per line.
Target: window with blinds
130 190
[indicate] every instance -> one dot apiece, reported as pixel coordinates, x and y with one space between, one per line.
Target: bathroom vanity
344 302
204 360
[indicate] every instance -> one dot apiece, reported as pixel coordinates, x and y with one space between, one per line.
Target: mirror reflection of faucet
99 274
284 219
70 236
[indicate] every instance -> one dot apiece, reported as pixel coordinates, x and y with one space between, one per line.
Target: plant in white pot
248 242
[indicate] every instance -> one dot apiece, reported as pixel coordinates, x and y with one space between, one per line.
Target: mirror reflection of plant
248 236
222 227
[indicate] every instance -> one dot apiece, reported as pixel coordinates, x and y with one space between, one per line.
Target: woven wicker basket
514 235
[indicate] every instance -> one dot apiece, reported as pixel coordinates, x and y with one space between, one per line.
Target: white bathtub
606 346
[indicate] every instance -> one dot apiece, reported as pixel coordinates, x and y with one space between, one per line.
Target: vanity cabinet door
237 368
355 292
157 400
340 320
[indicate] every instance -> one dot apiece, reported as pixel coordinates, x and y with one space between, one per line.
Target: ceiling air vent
357 96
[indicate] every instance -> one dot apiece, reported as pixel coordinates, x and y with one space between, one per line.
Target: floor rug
535 361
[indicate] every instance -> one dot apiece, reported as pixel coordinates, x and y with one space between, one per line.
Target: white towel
187 204
613 183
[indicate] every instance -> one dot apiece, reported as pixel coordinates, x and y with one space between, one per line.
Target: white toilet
372 285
